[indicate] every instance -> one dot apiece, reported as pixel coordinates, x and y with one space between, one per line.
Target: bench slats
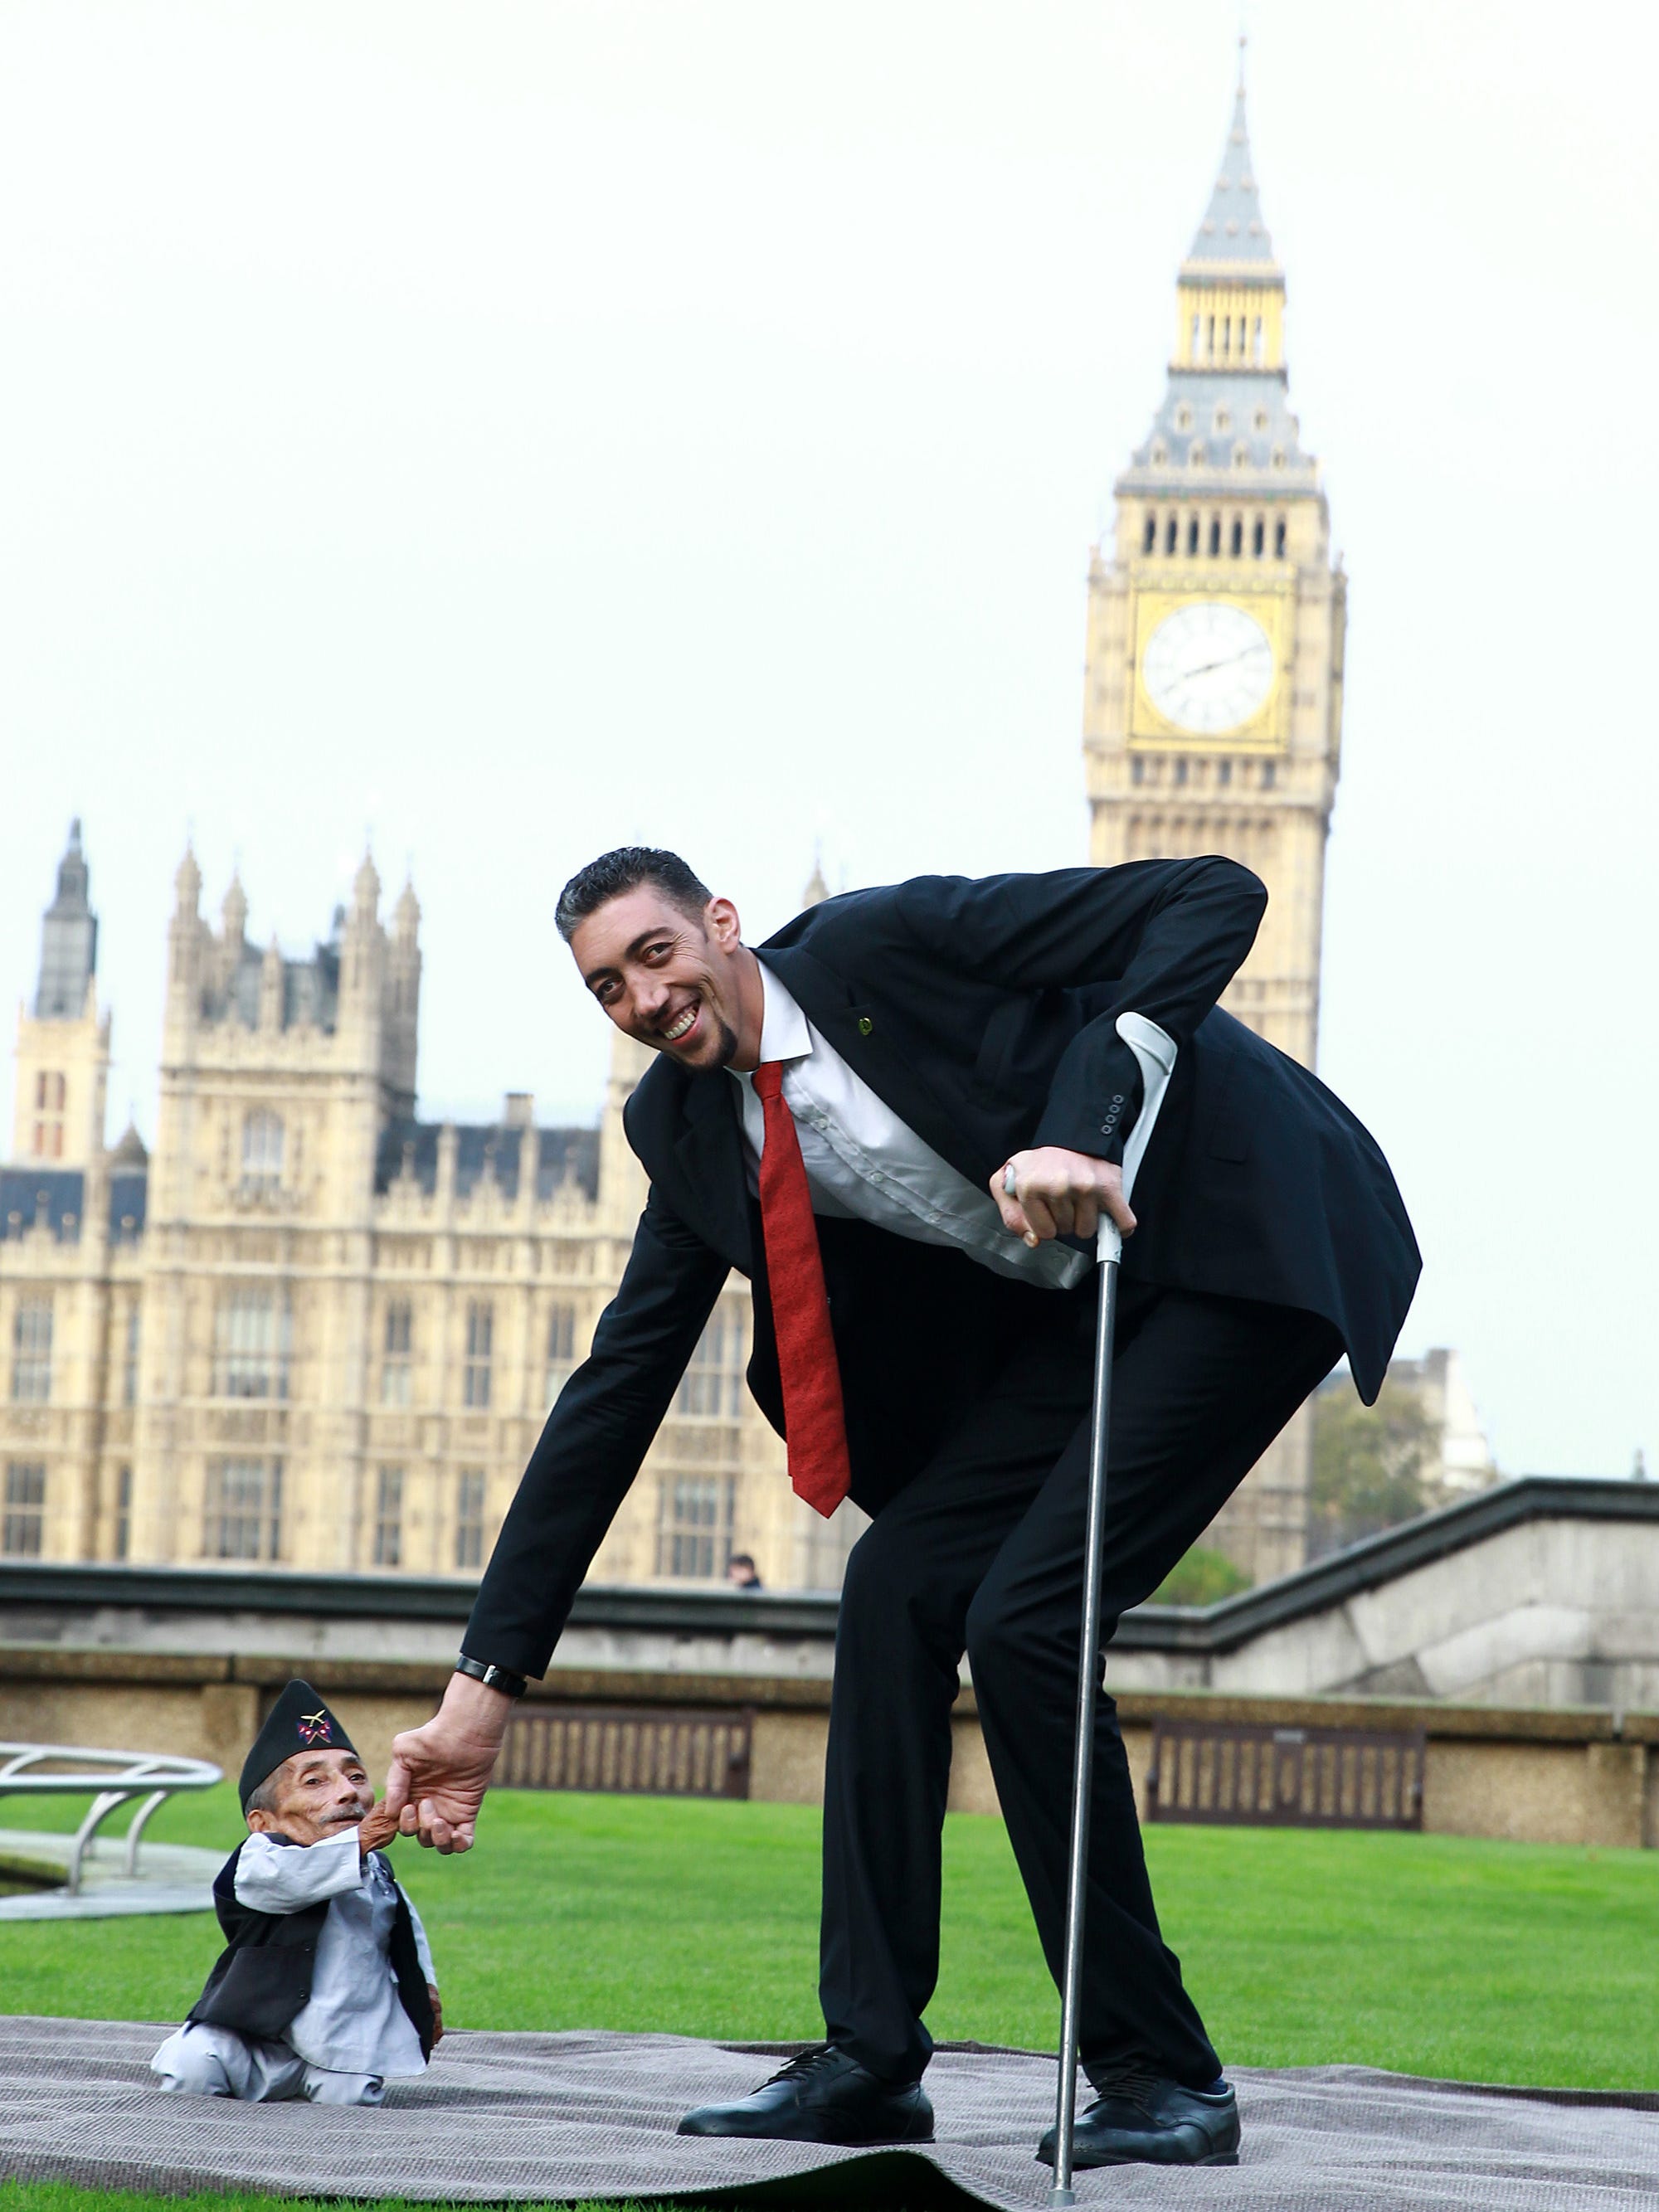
1234 1774
629 1750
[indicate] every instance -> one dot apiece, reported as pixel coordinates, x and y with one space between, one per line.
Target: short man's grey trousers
202 2060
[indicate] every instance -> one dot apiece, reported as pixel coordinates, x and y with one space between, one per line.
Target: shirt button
865 1025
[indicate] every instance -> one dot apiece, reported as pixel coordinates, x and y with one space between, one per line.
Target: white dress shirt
860 1159
354 2021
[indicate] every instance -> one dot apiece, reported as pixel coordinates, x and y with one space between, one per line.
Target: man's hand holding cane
1049 1191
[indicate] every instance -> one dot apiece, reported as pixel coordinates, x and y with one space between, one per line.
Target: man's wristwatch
492 1678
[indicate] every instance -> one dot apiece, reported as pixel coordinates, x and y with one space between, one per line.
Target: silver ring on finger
1009 1181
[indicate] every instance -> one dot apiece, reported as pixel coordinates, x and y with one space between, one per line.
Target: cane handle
1155 1054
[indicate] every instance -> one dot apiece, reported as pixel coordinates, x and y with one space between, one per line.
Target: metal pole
1088 1686
1155 1055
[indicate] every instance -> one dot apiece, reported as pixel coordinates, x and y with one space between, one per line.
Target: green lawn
1502 1962
67 2196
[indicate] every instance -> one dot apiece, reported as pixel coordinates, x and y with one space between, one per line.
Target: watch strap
492 1677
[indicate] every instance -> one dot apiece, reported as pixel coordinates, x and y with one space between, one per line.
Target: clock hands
1210 666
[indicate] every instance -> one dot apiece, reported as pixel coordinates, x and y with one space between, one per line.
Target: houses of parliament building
309 1329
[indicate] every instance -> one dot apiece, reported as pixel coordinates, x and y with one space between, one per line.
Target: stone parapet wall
1574 1777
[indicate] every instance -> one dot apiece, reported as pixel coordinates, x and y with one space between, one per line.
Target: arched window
1258 537
713 1384
31 1352
253 1342
397 1366
1192 533
1236 544
1171 533
1215 536
262 1151
1257 349
560 1348
1278 539
480 1338
470 1519
1195 321
1137 769
1149 543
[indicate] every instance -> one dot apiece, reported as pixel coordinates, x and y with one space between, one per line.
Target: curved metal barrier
64 1769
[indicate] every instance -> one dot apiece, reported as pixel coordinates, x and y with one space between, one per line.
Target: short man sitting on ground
326 1985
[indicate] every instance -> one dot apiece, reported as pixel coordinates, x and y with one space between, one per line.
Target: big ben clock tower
1212 710
1213 705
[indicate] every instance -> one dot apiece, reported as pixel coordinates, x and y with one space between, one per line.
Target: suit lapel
709 1155
866 1036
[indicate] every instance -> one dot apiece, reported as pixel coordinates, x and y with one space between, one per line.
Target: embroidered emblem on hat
298 1723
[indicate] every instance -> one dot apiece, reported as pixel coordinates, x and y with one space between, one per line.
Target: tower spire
69 939
1232 235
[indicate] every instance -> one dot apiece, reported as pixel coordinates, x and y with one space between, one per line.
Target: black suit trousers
982 1552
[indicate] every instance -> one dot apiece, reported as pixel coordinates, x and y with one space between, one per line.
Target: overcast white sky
508 431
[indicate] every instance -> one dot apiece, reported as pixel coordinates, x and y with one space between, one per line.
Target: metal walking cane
1156 1054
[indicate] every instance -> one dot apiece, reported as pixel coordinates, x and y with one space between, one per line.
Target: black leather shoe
823 2096
1138 2118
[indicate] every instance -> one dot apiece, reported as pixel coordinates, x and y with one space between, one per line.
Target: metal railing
114 1777
629 1750
1225 1774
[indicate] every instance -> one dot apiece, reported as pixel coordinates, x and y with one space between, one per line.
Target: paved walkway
171 1877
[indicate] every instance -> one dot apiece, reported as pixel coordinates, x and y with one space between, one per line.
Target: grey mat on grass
545 2117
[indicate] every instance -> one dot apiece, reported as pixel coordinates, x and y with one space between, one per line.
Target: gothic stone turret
1214 694
1212 709
62 1044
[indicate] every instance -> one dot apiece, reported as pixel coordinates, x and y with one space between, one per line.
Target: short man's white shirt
354 2021
862 1161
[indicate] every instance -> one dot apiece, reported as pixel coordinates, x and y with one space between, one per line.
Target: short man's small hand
437 2005
1059 1194
439 1773
376 1829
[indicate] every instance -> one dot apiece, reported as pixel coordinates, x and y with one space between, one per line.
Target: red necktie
812 1409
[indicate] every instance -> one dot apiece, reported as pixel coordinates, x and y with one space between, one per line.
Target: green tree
1203 1576
1373 1466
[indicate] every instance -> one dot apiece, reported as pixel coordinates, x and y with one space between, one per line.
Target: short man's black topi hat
299 1721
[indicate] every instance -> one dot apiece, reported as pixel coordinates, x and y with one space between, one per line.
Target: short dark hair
625 870
263 1799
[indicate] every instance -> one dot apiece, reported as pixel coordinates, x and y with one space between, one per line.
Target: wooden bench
1285 1777
664 1751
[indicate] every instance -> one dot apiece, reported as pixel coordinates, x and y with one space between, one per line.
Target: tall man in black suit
940 1059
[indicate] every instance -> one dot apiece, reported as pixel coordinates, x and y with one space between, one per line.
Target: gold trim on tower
1268 603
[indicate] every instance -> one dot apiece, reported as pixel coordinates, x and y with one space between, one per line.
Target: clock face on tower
1208 666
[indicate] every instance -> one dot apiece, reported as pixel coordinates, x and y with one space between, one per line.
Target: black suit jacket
983 1013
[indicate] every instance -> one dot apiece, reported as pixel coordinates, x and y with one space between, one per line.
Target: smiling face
314 1795
683 983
